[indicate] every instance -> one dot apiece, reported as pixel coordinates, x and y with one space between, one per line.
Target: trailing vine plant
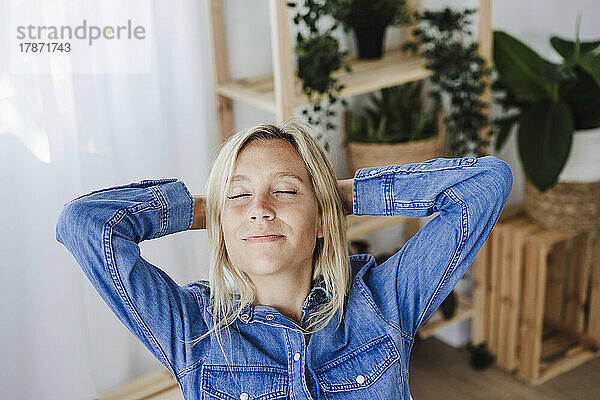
319 55
458 70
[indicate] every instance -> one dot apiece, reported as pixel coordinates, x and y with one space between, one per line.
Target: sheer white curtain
62 135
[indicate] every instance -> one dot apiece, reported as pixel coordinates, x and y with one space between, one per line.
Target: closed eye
239 195
247 194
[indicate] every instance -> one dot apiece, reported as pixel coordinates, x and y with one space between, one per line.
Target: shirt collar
317 295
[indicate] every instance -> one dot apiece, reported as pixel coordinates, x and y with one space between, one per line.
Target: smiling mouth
264 239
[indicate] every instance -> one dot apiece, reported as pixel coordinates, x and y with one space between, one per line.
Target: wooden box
537 298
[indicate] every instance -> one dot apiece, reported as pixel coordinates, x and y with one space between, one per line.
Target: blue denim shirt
267 356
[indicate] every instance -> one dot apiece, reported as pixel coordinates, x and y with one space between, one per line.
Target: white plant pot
583 164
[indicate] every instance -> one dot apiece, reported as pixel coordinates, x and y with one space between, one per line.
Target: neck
286 293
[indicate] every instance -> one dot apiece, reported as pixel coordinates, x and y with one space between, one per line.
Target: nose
262 208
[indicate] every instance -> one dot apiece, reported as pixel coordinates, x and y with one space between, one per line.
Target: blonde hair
331 263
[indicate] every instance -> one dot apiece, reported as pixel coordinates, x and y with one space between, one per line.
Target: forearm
420 189
346 186
199 221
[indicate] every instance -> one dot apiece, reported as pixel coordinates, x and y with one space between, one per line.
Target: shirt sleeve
469 193
102 229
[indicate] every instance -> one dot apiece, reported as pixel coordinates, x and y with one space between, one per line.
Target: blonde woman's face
270 220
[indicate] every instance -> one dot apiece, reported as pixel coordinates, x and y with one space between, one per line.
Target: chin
263 268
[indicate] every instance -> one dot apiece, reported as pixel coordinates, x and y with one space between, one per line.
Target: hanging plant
458 71
319 56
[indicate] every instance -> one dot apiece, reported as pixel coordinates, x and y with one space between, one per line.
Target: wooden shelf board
173 393
437 321
395 68
572 359
256 91
359 226
158 383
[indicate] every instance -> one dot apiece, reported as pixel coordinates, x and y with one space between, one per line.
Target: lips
264 237
262 234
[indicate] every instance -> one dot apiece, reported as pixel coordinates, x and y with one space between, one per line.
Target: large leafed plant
548 101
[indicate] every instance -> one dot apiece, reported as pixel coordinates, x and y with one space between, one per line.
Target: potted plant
319 56
369 20
556 108
445 40
394 129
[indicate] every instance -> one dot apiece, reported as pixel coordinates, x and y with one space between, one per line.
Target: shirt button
373 172
244 396
296 356
423 166
269 316
245 316
360 379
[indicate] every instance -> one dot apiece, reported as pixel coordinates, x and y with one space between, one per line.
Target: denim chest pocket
363 373
244 382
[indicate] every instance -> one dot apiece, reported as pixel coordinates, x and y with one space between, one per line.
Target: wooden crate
537 298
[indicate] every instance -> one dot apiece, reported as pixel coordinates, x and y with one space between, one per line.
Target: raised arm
469 193
102 230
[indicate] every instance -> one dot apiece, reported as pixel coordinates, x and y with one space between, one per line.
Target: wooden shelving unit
367 76
280 93
436 322
359 226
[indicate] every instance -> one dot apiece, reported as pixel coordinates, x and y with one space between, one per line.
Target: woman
279 270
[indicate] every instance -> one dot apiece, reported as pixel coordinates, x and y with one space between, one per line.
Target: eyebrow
282 174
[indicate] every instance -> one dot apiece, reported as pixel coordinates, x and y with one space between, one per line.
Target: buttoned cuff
368 192
177 204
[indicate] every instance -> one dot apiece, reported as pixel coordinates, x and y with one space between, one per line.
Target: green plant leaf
504 126
381 129
588 57
369 13
370 131
544 137
523 71
590 62
566 48
584 100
